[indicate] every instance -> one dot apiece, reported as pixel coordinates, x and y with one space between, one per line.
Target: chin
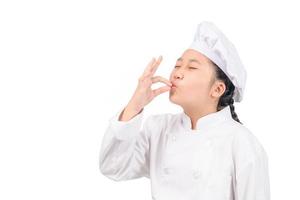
174 99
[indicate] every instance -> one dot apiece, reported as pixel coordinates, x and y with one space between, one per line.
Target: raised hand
143 93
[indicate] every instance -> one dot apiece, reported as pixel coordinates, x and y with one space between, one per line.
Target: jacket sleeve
251 170
124 152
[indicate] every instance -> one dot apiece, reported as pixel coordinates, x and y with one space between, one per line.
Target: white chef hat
212 43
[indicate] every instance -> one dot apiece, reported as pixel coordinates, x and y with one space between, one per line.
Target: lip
173 85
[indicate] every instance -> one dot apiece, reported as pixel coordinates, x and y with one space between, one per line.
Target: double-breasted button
167 170
196 174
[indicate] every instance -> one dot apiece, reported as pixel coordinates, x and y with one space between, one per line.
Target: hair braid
227 97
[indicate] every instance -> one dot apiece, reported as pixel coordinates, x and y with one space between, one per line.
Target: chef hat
212 43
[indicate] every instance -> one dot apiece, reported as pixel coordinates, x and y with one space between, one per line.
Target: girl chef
202 153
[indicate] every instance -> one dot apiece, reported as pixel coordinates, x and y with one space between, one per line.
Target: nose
178 75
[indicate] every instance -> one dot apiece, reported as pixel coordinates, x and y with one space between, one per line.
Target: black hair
227 97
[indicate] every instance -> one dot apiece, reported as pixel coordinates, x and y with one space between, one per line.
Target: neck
197 113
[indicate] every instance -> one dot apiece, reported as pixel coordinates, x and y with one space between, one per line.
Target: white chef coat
220 160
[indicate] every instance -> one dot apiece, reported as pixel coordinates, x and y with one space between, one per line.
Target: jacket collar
207 121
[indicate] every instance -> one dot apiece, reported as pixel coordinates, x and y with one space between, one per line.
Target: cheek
197 88
198 83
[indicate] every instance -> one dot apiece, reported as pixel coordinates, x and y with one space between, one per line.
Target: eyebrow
190 60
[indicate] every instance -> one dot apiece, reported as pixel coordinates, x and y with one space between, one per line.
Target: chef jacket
220 159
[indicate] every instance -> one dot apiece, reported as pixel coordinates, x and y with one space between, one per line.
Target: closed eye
189 67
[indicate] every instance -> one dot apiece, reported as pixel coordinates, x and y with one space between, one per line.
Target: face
196 87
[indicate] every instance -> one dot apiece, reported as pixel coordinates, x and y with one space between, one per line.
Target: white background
66 67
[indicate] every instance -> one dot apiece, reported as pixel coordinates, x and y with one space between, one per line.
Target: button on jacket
220 159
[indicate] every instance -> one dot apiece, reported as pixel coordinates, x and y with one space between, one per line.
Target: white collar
207 121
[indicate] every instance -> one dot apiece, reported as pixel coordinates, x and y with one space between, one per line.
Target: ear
218 89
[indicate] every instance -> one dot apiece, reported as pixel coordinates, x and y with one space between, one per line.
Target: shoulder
161 119
160 122
246 145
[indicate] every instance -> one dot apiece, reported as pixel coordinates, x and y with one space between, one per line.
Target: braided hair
227 97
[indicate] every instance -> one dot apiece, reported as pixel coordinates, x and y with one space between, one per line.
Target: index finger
152 66
155 66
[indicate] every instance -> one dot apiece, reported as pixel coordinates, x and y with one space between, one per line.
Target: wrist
129 112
